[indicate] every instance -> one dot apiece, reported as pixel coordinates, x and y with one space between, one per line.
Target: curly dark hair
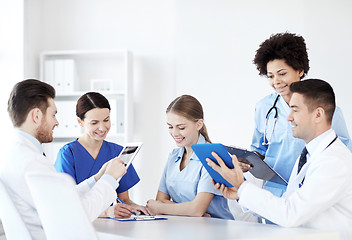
287 46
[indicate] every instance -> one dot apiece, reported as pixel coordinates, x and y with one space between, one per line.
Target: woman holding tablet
185 187
84 156
283 59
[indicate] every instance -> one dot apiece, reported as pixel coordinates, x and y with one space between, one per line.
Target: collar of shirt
285 106
201 140
313 145
32 139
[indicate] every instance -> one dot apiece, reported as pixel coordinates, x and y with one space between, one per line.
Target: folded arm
196 208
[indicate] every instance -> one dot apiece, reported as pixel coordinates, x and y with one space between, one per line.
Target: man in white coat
32 110
319 192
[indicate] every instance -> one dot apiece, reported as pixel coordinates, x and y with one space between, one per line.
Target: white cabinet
72 74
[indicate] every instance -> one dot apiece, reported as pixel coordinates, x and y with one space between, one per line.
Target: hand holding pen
123 210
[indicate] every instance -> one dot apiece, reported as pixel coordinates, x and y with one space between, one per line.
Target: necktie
44 154
302 159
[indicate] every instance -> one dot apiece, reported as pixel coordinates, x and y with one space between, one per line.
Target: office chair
12 222
59 206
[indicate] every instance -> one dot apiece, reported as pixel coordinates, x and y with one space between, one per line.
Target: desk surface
202 228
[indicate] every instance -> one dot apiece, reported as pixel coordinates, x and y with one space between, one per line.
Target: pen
121 201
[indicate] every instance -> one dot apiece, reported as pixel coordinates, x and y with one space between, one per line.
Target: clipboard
139 218
260 168
204 151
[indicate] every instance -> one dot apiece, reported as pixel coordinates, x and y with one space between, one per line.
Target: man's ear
36 115
319 114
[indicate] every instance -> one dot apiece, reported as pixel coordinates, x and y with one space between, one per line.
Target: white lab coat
23 157
323 202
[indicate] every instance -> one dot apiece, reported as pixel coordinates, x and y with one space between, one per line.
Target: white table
193 228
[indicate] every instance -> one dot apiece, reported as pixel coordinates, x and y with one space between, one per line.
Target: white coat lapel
296 180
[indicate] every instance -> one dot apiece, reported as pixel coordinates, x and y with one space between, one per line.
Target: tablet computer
260 168
204 151
129 152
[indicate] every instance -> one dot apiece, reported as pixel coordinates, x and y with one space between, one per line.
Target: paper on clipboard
139 218
260 168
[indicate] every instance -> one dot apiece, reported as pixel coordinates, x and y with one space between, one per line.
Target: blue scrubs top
75 160
284 149
183 186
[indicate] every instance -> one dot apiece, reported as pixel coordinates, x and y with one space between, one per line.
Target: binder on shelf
59 75
69 75
49 72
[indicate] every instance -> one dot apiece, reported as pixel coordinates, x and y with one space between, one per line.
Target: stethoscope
266 122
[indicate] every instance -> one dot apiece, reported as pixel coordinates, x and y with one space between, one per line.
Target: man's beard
44 134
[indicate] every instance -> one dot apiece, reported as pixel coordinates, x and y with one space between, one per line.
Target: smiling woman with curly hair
283 59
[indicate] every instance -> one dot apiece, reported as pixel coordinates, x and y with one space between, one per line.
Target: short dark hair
89 101
317 93
25 96
287 46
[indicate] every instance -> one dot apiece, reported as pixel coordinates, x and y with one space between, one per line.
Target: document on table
139 218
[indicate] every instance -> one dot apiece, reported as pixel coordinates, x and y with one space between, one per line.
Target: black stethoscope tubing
273 108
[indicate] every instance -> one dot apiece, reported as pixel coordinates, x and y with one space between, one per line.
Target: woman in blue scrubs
84 156
283 59
185 187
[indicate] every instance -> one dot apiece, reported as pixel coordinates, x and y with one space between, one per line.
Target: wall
200 47
11 62
11 56
216 44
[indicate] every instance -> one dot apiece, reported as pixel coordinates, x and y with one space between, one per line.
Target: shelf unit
74 73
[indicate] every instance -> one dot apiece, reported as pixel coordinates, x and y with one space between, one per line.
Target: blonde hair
190 108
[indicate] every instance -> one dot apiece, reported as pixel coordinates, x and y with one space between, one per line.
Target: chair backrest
59 206
12 222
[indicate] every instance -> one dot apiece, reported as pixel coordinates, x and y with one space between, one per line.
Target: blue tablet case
204 151
260 168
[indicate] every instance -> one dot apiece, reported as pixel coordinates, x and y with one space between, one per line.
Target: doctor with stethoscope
283 59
